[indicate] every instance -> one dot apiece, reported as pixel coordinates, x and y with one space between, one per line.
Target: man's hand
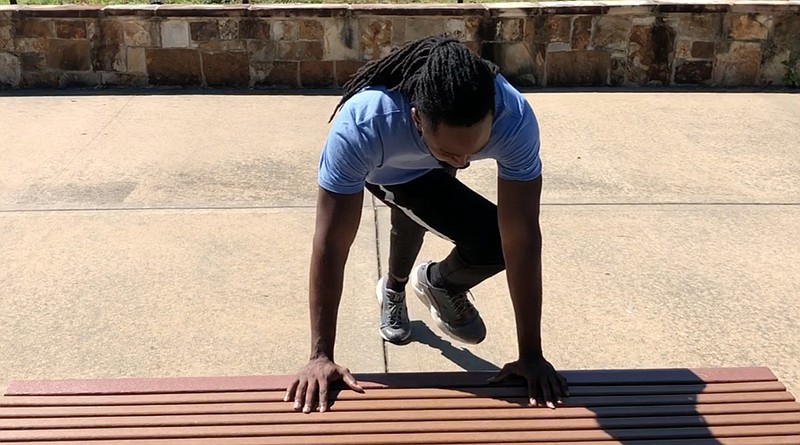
545 385
311 384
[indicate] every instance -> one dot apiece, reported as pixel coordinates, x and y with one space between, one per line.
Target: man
404 124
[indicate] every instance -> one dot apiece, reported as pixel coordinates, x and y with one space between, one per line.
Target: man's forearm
524 274
325 293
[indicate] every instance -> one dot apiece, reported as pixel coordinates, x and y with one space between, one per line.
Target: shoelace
397 311
460 303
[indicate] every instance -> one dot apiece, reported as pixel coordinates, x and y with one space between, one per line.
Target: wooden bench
639 407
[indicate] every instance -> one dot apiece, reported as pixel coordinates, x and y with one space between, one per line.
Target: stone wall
629 43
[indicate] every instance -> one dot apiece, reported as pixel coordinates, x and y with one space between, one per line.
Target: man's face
453 145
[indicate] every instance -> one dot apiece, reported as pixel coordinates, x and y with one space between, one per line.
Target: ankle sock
435 276
395 284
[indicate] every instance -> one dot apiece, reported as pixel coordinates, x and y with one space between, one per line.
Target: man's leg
450 209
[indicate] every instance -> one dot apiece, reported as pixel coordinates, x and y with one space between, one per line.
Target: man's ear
416 118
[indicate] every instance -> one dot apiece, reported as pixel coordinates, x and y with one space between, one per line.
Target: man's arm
518 218
337 221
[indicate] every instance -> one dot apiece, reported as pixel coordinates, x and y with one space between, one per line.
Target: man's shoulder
373 104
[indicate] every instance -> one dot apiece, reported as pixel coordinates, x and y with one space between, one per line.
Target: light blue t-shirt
373 139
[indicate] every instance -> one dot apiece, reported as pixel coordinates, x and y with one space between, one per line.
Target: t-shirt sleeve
343 165
519 155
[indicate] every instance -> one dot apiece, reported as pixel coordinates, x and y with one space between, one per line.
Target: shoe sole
379 294
419 291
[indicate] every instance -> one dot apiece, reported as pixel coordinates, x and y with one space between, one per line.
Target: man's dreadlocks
439 76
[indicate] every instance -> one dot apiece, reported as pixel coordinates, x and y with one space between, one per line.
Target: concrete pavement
168 235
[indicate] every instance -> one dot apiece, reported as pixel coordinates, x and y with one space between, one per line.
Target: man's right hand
312 382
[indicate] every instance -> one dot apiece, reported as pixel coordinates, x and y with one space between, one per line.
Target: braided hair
439 76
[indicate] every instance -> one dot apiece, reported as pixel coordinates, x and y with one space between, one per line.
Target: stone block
703 50
578 68
650 54
275 74
108 57
455 28
611 32
69 55
344 69
772 67
376 38
515 60
111 32
41 79
582 31
226 69
738 64
693 72
32 28
10 71
298 50
552 28
136 60
398 32
748 26
261 50
696 26
204 31
223 45
683 49
71 29
341 39
501 29
786 33
255 29
418 28
6 37
112 79
33 61
284 30
80 79
229 29
317 74
311 30
173 66
619 66
175 34
31 45
141 33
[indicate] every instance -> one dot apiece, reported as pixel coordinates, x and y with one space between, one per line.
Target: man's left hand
545 385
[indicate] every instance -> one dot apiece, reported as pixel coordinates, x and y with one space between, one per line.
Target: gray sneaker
395 326
454 314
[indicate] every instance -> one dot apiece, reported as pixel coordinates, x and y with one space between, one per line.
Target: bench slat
175 411
251 425
393 380
406 438
384 394
755 440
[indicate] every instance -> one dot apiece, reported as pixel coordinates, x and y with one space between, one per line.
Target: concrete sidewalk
169 235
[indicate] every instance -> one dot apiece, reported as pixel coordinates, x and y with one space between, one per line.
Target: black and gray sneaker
395 326
454 314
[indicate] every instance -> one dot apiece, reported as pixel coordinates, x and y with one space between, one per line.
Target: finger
351 381
310 393
323 396
547 392
290 390
564 385
299 394
532 392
